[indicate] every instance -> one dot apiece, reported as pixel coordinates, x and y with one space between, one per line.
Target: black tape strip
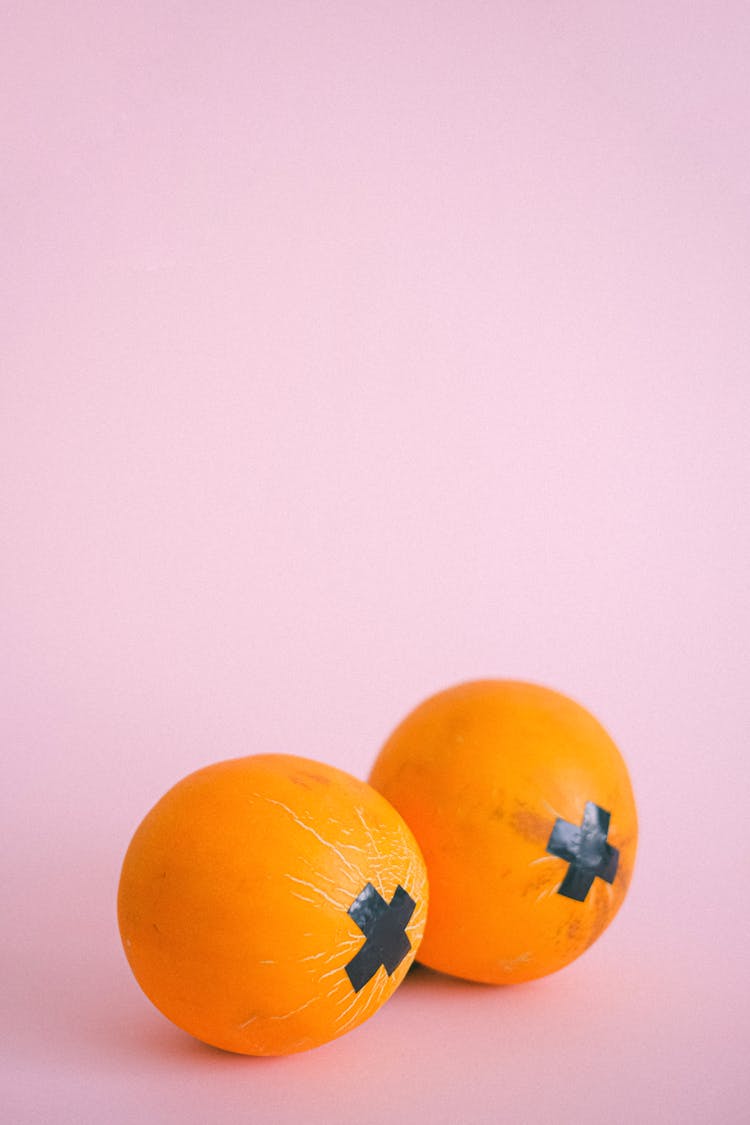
586 850
384 926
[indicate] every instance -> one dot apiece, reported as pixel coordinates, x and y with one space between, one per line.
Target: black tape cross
586 850
384 926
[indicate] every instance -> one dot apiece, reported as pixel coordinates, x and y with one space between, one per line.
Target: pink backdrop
350 350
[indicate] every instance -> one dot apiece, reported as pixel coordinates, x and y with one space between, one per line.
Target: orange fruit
523 809
269 904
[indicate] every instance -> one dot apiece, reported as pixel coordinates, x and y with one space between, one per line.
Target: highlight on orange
524 811
269 904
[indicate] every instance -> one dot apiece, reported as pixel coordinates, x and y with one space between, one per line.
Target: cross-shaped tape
384 926
586 850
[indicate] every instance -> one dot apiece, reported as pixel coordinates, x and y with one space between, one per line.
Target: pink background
350 350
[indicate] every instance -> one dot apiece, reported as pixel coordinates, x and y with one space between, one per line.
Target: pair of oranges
269 904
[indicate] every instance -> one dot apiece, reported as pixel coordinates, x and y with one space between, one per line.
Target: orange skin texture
234 895
481 772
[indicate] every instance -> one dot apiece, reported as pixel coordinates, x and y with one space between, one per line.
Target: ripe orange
269 904
523 809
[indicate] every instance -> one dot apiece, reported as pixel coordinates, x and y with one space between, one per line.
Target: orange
523 809
268 904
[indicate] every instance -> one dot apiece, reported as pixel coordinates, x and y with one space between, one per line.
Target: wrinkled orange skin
480 773
234 894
